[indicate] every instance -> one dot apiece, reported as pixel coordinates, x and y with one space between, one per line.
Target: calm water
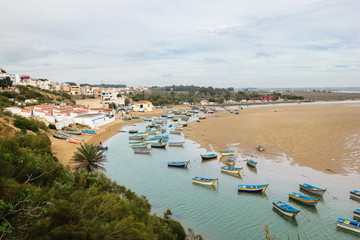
220 212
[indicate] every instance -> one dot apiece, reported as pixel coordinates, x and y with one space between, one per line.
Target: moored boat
152 140
227 153
230 162
135 117
176 144
261 148
72 140
134 143
178 164
348 224
102 148
158 145
126 119
135 137
88 131
355 194
311 189
205 181
356 213
133 131
59 136
231 169
208 156
303 199
253 188
140 145
175 132
74 132
142 150
202 117
251 163
285 209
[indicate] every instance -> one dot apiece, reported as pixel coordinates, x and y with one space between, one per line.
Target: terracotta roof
46 106
38 110
63 108
30 107
79 111
49 114
143 101
16 108
25 110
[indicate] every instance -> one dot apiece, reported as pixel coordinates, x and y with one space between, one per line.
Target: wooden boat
126 119
158 145
184 124
285 209
311 189
152 140
202 117
251 163
59 136
231 169
135 117
227 153
163 130
102 148
356 213
303 199
175 132
205 181
355 194
153 132
142 150
348 224
147 120
253 188
176 144
72 140
74 132
261 148
164 116
133 131
208 156
140 145
134 143
135 137
230 162
178 164
64 133
88 131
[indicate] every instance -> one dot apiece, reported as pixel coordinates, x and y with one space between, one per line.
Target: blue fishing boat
356 213
231 169
355 194
126 119
251 163
158 145
102 147
348 224
175 132
146 120
304 199
142 150
134 143
140 145
152 140
285 209
88 131
74 132
59 136
227 153
311 189
205 181
164 116
253 188
208 156
230 162
135 117
176 144
178 164
133 131
135 137
261 148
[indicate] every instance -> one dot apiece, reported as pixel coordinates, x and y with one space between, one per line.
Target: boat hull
284 212
356 214
304 201
142 151
180 144
251 164
342 224
208 183
316 192
354 195
208 157
255 190
179 164
237 171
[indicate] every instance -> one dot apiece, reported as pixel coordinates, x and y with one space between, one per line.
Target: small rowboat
252 188
311 189
133 131
227 153
163 130
126 119
178 164
303 199
205 181
231 169
208 156
135 117
176 144
261 148
141 145
152 140
142 150
202 117
88 131
355 194
153 132
356 213
102 148
136 137
135 143
59 136
184 124
158 145
251 163
164 116
74 132
175 132
72 140
285 209
348 224
146 120
230 162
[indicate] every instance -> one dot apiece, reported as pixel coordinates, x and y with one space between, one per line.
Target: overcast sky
221 43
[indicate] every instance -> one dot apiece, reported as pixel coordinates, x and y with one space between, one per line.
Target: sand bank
324 137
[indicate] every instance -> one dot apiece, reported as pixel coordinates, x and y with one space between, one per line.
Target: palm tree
89 157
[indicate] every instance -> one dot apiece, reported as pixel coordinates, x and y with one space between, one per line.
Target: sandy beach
324 137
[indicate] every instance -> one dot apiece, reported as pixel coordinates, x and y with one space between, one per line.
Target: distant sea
346 91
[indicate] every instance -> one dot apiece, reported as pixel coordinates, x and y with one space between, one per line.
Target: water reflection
257 195
291 220
237 175
210 187
321 199
308 208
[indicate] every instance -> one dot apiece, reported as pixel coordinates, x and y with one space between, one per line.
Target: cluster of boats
71 136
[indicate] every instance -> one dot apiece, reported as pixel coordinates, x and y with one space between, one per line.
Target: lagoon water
221 212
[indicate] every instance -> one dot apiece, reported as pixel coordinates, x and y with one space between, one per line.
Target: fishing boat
135 117
133 131
142 150
135 137
356 213
208 156
231 169
311 189
303 199
134 143
152 140
64 133
164 116
72 140
147 120
59 136
102 148
260 148
355 194
158 145
251 163
176 144
140 145
348 224
163 130
227 153
285 209
178 164
74 132
205 181
202 117
126 119
230 162
184 124
88 131
175 132
253 188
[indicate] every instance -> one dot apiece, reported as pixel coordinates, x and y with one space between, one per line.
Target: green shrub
52 126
